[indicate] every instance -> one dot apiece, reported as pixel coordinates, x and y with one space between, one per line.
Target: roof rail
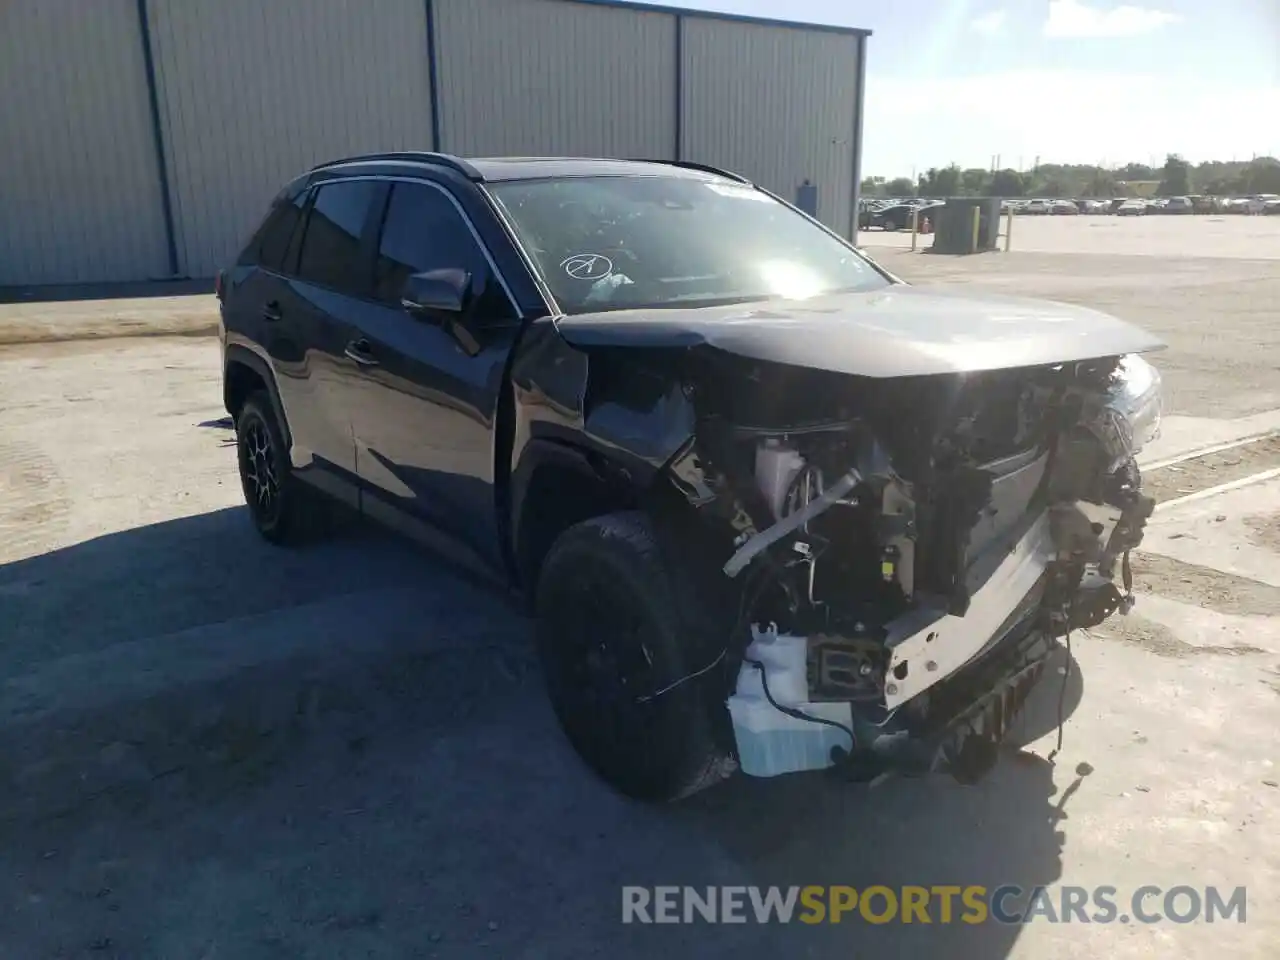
704 167
413 156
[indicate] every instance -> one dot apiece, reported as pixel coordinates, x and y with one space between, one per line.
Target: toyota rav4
773 508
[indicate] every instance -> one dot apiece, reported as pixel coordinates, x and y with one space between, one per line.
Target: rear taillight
219 284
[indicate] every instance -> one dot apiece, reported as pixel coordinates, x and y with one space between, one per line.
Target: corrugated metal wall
250 93
540 77
253 93
775 104
80 188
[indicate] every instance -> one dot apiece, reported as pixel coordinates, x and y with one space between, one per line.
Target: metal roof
722 15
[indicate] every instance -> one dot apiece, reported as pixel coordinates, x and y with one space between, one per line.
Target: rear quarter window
269 244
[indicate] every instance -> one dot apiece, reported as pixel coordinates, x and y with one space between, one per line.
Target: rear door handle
271 311
361 353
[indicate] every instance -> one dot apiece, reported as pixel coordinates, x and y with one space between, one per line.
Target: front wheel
620 641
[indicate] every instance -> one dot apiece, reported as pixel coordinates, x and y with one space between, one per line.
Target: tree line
1175 179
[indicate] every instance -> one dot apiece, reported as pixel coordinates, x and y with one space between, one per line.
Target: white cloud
1070 18
989 24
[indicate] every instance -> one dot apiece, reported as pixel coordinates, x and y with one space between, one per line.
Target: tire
615 624
890 226
281 509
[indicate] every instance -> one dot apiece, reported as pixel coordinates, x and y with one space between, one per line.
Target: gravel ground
212 748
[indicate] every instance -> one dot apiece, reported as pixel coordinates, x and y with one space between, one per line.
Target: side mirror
437 294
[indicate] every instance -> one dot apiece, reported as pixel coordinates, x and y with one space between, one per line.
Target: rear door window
332 253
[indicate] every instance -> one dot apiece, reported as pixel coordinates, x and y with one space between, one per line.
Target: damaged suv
774 508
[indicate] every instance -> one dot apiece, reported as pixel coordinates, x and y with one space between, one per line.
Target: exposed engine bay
906 559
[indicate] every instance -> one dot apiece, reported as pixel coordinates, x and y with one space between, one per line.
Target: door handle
271 311
361 353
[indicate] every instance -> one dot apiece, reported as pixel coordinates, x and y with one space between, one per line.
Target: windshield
618 243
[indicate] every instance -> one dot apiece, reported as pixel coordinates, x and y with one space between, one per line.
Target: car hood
897 331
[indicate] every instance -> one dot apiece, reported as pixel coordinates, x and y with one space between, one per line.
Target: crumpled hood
897 331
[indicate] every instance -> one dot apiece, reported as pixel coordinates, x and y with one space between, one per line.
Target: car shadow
1005 830
186 673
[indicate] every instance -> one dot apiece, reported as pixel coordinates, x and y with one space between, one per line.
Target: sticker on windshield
587 266
740 193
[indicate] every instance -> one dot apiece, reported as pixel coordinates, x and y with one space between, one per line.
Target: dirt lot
1218 316
211 748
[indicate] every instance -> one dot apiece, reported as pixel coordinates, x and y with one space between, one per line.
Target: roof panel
724 15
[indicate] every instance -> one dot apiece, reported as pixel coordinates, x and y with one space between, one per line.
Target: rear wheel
616 631
281 509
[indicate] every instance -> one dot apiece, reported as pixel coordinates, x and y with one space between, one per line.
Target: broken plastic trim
766 538
927 645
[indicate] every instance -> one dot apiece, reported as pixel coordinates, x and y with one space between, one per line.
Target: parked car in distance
866 209
1132 208
1038 207
1257 203
1064 208
898 216
772 508
1178 205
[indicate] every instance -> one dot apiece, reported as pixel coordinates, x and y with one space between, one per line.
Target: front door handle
271 311
361 353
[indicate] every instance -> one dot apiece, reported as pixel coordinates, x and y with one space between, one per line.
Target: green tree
900 187
1006 183
1054 188
1136 171
1224 186
1101 184
974 181
1175 177
947 182
1262 176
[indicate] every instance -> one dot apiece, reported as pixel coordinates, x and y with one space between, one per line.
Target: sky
1068 81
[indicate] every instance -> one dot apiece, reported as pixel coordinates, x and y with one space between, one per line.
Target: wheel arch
555 485
243 372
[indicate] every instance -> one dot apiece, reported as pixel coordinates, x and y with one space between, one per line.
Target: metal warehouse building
143 138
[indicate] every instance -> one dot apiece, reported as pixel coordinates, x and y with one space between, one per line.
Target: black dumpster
953 225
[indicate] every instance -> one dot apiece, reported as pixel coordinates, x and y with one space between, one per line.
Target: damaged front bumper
956 683
921 589
928 645
970 716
